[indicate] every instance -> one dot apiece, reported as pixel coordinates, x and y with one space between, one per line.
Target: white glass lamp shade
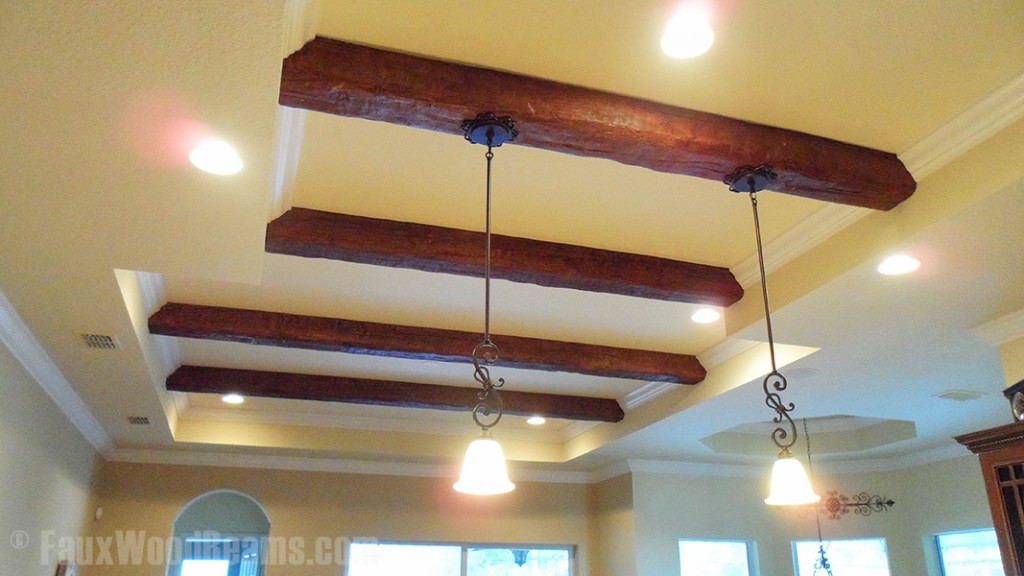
483 471
790 485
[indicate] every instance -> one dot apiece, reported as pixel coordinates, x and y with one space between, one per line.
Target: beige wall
628 525
312 505
46 470
940 497
612 527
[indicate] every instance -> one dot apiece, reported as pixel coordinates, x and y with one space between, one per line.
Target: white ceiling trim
891 463
298 463
802 237
724 350
968 129
24 346
291 123
306 464
1002 330
696 468
300 23
576 428
643 394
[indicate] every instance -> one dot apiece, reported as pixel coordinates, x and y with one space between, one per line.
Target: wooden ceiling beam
385 393
317 234
355 337
358 81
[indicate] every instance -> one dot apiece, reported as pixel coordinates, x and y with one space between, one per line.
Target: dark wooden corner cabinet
1001 452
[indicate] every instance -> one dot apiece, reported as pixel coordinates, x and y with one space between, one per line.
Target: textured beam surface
354 337
350 80
384 393
317 234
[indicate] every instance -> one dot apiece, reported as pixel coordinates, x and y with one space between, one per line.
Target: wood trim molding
992 438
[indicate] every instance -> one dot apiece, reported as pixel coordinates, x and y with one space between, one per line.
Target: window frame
748 545
938 546
828 543
465 546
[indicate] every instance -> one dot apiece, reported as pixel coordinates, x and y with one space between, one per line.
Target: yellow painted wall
312 505
1012 354
612 527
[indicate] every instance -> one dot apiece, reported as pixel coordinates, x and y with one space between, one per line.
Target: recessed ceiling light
705 316
535 420
898 264
216 157
233 398
688 33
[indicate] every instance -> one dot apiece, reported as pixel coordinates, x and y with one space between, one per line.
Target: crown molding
800 238
522 474
15 334
679 468
724 350
965 131
306 464
645 393
291 123
1002 330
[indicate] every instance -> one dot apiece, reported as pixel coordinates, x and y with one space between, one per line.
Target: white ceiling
101 102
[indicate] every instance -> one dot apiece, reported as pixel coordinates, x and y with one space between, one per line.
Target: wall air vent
139 420
99 341
959 395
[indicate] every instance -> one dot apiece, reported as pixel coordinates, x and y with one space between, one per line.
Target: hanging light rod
484 471
790 485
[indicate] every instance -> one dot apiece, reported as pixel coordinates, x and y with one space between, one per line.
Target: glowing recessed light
705 316
688 33
899 264
233 398
216 157
535 420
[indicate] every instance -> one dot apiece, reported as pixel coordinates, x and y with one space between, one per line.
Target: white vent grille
100 341
959 395
139 420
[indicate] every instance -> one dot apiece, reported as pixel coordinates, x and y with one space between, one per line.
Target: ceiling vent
959 395
139 420
99 341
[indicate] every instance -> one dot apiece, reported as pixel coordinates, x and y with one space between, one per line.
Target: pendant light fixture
789 485
484 471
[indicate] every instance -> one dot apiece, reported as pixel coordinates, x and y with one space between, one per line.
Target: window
204 567
713 558
974 553
220 533
863 557
373 559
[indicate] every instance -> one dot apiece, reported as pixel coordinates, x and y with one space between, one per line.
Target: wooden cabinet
1001 453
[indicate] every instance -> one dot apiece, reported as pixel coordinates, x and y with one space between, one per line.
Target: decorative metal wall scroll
836 505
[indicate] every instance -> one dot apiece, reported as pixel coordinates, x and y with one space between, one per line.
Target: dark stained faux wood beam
317 234
354 337
358 81
385 393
